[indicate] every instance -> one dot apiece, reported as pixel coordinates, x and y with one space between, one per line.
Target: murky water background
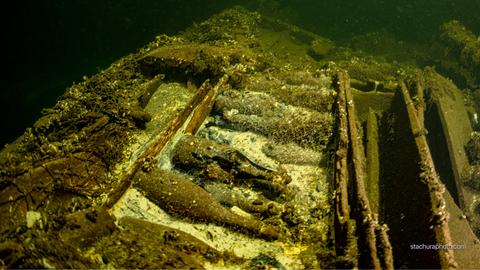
51 44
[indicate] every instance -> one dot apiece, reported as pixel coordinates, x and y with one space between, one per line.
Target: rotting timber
236 144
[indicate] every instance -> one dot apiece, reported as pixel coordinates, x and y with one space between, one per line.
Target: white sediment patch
247 143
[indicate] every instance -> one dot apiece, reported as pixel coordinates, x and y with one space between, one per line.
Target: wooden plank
435 187
373 162
204 108
379 252
358 160
345 227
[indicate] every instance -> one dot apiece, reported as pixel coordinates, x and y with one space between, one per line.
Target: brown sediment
83 228
178 240
140 248
83 174
179 196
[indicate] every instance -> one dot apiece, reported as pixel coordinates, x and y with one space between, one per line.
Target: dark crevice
439 150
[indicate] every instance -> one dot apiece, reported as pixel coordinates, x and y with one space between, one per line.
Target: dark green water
51 44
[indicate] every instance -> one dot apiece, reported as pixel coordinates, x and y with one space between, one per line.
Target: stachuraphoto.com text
436 246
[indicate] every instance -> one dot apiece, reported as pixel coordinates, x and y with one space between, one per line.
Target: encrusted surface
253 188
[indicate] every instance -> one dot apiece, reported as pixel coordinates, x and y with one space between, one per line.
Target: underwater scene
257 134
